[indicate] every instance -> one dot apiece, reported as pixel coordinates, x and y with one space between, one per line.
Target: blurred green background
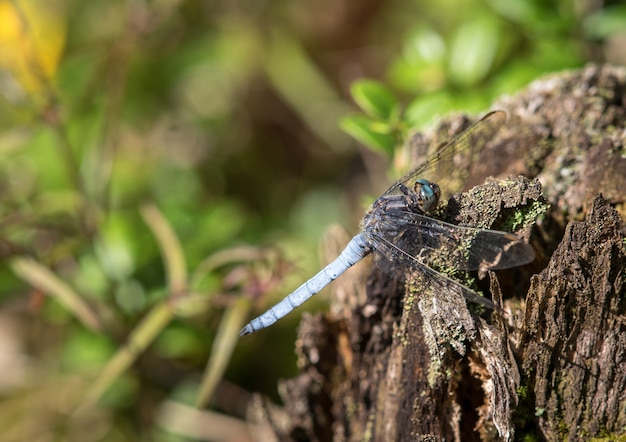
168 170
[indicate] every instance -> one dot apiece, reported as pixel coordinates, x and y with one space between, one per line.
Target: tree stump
387 365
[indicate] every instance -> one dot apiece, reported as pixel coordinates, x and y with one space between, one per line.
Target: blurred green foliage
151 152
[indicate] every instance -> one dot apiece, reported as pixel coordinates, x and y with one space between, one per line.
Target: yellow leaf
32 36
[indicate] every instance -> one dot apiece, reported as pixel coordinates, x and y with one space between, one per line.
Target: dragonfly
409 245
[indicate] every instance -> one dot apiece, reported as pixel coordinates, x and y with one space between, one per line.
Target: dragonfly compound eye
427 194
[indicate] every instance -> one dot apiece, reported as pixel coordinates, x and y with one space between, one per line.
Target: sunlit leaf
425 44
175 264
361 128
374 98
424 108
473 51
44 279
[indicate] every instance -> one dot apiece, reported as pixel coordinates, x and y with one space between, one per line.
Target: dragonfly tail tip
246 330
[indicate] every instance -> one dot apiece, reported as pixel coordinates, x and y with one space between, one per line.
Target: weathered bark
386 365
573 348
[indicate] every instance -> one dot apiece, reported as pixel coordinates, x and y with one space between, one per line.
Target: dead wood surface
386 365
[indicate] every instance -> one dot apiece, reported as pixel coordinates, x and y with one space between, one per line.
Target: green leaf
375 99
606 22
141 336
422 109
44 279
223 347
369 133
535 15
473 51
170 246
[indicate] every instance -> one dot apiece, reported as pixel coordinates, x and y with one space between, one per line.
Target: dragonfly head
428 194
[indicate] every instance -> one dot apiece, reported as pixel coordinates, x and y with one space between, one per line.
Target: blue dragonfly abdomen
356 250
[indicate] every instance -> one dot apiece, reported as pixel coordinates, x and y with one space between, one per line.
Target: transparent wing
446 246
401 266
441 164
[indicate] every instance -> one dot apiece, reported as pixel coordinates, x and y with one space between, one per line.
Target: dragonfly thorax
424 196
